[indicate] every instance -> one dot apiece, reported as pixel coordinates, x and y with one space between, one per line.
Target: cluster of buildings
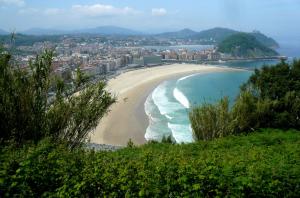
94 59
185 55
98 57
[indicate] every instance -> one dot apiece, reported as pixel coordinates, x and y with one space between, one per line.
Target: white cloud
159 12
79 11
13 2
102 10
53 11
27 11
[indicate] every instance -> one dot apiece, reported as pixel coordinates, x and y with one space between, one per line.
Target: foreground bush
211 121
27 113
263 164
277 90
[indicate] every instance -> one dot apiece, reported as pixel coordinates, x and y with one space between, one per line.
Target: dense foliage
263 164
244 45
263 39
28 113
275 92
271 98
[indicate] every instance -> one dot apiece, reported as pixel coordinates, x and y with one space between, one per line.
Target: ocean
167 107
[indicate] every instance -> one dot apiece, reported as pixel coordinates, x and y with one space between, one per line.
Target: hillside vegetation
266 41
245 45
263 164
217 35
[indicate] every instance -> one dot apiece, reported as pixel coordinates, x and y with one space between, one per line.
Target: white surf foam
157 127
180 97
162 102
186 77
164 113
148 105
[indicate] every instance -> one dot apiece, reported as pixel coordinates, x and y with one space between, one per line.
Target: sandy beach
127 118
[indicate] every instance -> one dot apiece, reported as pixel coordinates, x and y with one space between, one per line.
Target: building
214 56
152 60
148 60
138 61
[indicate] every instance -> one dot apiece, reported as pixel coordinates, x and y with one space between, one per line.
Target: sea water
169 104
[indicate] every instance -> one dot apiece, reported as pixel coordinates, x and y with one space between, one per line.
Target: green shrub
243 113
262 164
211 121
27 113
278 89
168 140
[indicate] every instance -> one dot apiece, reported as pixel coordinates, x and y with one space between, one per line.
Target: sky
278 18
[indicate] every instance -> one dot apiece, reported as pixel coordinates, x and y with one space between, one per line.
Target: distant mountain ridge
184 33
109 30
42 31
3 32
212 36
215 34
22 39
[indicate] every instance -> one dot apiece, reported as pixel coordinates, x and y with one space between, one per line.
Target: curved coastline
127 118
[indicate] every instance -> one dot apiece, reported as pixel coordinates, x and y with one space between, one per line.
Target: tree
28 113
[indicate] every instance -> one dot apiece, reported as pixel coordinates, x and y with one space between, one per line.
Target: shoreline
127 118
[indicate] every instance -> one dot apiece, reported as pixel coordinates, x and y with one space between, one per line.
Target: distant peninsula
216 35
246 45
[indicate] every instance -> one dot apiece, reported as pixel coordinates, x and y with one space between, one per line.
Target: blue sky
279 18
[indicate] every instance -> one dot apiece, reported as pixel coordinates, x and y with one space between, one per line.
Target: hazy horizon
278 18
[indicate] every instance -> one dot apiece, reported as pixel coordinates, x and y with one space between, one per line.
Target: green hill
214 35
217 35
245 45
266 41
185 33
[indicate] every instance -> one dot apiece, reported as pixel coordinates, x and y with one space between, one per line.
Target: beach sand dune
127 119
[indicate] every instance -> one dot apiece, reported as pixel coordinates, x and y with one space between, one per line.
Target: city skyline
275 18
